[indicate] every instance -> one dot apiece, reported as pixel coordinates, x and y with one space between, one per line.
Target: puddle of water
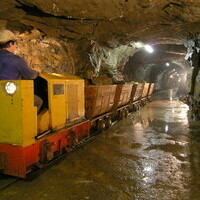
151 155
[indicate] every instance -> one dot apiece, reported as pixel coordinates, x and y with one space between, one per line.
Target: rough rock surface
121 20
96 37
46 54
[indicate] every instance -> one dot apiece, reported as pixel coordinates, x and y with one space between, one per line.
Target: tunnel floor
151 155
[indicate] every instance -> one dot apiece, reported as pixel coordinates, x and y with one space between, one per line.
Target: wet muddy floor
151 155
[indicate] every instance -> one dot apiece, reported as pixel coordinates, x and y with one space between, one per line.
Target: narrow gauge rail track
6 181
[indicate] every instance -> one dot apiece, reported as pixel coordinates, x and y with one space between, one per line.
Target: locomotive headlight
10 87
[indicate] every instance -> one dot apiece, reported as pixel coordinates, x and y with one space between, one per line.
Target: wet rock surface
151 155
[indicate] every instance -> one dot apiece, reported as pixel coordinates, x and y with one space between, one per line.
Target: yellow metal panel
68 106
11 116
57 103
59 76
18 115
81 97
72 101
29 113
43 121
75 105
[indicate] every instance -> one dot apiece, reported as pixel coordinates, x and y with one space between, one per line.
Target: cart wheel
108 122
135 107
100 125
121 114
68 148
131 107
126 111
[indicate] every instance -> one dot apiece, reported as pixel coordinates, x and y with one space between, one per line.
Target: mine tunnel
99 100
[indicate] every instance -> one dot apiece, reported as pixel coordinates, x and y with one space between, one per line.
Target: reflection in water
151 155
166 128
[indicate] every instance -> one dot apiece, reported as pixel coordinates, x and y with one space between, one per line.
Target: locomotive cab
63 105
63 97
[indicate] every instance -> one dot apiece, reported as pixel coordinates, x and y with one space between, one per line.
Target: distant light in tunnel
166 128
167 64
171 76
139 45
148 48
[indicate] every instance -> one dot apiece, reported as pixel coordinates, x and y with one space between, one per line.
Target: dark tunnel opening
166 67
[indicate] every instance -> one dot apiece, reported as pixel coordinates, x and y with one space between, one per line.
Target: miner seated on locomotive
13 67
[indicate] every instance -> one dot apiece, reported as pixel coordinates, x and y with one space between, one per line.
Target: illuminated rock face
46 54
92 38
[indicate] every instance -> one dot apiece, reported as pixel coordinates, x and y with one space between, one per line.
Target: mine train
30 141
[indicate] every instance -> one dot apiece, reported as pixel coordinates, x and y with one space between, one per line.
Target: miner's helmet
6 35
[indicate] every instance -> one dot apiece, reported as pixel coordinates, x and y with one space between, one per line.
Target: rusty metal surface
145 90
137 91
122 95
98 99
151 88
134 90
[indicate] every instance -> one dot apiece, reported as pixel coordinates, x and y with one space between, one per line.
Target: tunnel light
167 64
139 44
148 48
10 87
171 76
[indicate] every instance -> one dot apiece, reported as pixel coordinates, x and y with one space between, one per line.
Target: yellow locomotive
29 141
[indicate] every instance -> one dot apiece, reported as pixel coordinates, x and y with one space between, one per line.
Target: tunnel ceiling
99 26
102 20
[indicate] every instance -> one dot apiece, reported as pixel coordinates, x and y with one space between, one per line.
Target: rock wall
193 56
189 79
46 54
87 59
111 60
